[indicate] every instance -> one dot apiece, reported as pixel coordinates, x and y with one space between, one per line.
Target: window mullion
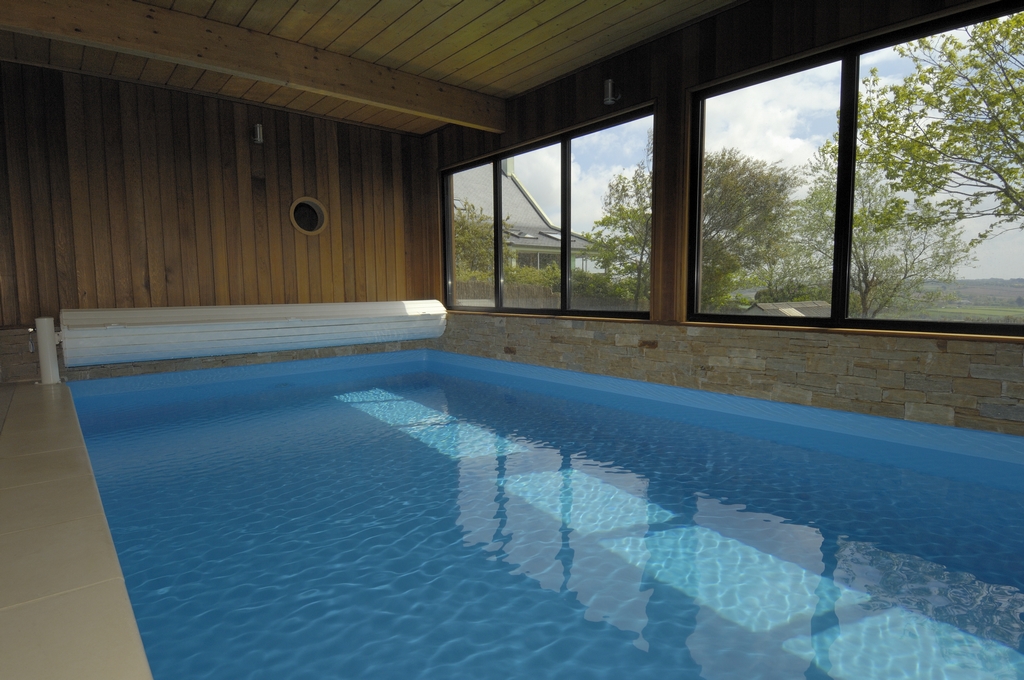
499 241
696 192
448 242
566 250
844 188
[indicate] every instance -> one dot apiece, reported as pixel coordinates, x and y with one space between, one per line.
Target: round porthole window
308 215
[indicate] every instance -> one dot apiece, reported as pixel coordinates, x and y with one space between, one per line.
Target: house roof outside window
529 227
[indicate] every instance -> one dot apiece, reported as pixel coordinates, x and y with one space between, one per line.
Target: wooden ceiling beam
157 33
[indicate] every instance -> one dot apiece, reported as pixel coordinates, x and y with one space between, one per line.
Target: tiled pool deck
64 610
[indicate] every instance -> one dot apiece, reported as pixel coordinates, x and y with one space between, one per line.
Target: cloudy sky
596 159
781 121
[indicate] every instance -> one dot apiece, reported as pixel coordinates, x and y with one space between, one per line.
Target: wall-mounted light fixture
257 133
610 95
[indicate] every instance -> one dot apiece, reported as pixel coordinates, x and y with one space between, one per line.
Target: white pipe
47 341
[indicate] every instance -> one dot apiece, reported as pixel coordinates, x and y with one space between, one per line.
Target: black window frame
849 57
564 140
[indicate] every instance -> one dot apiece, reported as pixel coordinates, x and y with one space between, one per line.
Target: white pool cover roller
47 341
108 336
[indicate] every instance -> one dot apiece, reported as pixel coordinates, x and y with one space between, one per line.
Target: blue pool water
419 515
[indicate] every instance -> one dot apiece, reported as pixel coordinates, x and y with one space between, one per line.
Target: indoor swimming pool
426 515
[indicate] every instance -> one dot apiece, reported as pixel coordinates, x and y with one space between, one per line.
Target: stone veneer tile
1002 411
979 388
995 372
1007 357
955 365
979 423
930 413
963 401
904 396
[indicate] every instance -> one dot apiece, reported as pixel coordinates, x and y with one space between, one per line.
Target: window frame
849 57
564 140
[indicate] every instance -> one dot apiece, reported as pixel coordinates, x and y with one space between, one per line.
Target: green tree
621 240
600 286
899 245
473 243
745 208
953 130
549 276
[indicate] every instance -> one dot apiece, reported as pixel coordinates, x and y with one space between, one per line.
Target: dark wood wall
115 194
745 38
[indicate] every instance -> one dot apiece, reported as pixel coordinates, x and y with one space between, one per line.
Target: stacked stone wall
950 381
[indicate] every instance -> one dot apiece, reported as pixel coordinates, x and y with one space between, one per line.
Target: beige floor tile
40 395
44 467
6 394
64 612
34 401
38 505
20 439
86 634
36 417
49 560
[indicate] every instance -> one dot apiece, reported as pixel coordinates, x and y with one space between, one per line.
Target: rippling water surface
421 526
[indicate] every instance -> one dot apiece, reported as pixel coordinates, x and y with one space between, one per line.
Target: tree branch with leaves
621 240
953 130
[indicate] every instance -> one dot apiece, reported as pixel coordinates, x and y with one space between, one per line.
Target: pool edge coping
127 655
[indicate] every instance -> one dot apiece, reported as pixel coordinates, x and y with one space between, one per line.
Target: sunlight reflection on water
756 577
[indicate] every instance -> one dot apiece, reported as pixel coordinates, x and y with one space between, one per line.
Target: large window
563 227
611 209
472 230
884 189
767 221
531 193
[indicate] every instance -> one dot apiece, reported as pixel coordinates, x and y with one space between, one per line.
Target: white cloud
588 187
540 173
782 120
599 157
596 159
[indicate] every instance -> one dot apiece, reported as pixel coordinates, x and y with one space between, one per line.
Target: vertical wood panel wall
121 195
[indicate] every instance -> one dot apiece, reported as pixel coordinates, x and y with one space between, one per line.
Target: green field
980 313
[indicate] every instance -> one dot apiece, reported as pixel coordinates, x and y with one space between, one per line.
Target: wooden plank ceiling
499 48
